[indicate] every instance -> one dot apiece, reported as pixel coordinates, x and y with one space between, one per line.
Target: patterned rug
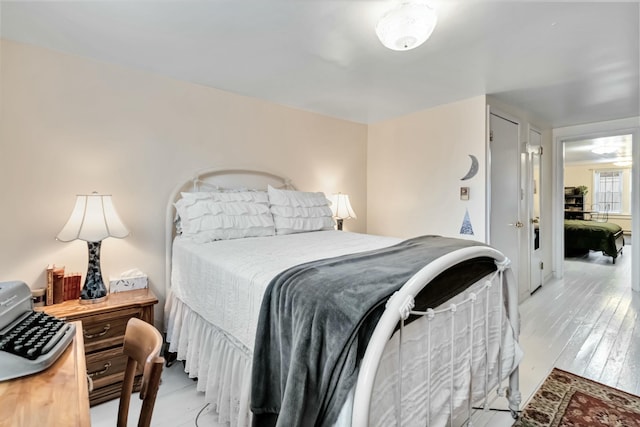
568 400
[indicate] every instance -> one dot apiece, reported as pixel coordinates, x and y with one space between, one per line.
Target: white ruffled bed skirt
221 365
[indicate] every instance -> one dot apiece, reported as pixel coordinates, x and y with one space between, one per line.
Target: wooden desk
55 397
577 214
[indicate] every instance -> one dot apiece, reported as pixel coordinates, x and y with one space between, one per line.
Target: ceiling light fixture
605 149
406 26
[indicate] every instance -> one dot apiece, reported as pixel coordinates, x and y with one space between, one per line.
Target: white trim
487 175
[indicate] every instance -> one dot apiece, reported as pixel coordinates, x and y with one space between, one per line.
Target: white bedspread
224 281
212 313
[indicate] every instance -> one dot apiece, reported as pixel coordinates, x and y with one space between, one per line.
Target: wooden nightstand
103 327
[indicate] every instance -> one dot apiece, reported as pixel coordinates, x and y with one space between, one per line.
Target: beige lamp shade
93 219
341 207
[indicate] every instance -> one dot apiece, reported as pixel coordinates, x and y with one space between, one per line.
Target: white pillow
209 216
299 211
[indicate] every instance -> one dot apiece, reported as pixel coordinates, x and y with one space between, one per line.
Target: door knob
518 224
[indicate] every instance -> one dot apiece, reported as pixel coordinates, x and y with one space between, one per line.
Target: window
608 191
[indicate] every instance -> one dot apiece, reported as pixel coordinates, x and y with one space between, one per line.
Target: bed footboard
475 307
619 241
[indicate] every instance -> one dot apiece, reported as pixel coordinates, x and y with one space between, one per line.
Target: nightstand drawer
106 370
106 367
107 329
104 325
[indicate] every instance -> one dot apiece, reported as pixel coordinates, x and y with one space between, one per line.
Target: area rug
568 400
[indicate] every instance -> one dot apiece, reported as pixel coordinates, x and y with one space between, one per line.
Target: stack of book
60 286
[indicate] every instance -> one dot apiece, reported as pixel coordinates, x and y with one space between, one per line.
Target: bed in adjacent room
284 319
581 236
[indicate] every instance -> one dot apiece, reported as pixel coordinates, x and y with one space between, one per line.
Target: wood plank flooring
586 323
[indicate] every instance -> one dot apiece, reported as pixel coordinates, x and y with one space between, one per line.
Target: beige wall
579 175
71 125
414 168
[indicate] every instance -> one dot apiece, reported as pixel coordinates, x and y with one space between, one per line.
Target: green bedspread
590 235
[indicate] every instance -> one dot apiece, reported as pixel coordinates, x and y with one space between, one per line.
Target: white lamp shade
341 207
406 26
93 219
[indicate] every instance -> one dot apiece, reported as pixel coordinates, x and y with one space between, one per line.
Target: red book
77 286
65 287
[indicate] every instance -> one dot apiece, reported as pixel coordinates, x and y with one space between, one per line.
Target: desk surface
57 396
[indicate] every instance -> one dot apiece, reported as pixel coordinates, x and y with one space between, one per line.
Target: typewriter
30 341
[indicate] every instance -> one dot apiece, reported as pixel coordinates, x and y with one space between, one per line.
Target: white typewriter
30 341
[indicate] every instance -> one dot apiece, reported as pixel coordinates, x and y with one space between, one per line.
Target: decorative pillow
209 216
299 211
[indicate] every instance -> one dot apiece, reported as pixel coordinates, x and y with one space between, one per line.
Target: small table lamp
93 219
341 208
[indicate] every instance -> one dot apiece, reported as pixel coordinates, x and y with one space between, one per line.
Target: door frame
588 131
529 189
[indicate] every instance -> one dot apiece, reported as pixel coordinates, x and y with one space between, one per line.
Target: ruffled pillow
299 211
209 216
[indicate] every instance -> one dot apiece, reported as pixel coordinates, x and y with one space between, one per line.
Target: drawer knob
101 371
99 334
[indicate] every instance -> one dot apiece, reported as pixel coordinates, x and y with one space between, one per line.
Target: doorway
593 131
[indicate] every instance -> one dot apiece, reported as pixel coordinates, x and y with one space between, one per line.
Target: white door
505 194
534 198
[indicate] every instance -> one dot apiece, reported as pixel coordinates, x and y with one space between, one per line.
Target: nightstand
103 327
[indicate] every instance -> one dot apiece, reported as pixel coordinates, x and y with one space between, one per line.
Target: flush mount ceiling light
605 149
406 26
611 144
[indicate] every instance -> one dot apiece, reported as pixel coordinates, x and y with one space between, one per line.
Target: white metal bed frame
398 307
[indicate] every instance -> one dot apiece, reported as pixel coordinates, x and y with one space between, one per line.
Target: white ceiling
566 62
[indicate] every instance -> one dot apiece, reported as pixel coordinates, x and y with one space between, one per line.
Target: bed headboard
210 179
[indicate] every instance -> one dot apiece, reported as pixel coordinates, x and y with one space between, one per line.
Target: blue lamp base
94 290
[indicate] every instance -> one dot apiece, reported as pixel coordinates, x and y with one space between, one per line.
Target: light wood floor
586 323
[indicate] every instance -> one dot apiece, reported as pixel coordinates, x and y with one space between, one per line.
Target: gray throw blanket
314 325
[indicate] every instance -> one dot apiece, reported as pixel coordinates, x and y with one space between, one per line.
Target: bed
420 356
581 236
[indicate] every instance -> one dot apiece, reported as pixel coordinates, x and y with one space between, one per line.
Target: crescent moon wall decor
473 170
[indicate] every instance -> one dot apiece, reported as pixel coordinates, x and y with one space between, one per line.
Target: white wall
72 125
414 167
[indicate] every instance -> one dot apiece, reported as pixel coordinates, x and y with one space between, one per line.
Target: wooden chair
142 344
600 213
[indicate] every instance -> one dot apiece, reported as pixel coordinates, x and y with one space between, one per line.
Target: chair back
142 345
600 213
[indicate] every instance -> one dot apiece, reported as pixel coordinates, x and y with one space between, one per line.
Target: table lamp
341 208
93 219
